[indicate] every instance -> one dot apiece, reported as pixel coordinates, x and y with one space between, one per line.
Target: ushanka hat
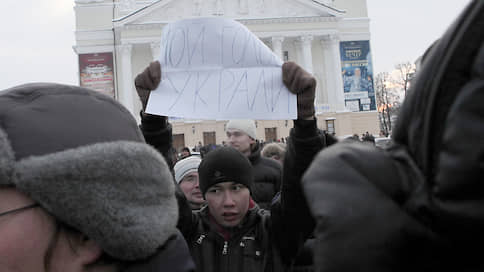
224 164
81 156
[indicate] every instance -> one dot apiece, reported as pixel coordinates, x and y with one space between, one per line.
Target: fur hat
88 166
245 125
222 165
186 166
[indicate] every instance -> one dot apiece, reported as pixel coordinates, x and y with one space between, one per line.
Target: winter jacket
419 204
267 178
265 241
173 257
158 133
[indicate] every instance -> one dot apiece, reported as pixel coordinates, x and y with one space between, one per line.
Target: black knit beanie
224 164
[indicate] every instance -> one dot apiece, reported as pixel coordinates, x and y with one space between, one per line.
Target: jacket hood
417 205
445 69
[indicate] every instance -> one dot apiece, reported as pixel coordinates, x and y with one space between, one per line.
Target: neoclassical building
116 39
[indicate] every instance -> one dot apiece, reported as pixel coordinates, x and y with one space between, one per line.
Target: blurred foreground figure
79 188
417 205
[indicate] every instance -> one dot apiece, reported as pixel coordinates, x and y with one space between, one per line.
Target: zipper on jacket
245 238
225 250
200 239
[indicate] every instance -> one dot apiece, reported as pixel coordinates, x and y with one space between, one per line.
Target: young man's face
228 203
190 187
240 141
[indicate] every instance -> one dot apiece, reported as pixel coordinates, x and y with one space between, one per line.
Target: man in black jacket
239 236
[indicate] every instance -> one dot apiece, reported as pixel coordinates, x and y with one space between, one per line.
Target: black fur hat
223 165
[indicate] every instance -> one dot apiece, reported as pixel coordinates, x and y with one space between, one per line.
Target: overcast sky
401 30
37 36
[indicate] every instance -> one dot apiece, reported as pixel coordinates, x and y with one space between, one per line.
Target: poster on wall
357 75
96 72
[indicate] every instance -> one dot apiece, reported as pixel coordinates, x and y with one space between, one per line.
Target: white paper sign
215 68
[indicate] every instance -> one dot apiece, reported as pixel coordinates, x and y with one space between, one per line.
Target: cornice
92 4
88 1
93 49
143 40
283 20
87 35
145 26
245 21
295 33
354 36
354 22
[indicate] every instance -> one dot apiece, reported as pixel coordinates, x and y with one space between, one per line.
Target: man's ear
87 250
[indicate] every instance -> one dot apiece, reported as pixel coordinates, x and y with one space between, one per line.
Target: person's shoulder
270 163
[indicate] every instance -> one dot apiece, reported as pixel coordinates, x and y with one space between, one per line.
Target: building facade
116 39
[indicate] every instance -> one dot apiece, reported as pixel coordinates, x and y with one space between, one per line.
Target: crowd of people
251 201
83 187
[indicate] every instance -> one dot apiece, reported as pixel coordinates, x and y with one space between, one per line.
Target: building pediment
165 11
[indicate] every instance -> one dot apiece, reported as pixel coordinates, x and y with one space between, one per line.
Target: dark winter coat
158 133
264 241
171 257
418 205
267 178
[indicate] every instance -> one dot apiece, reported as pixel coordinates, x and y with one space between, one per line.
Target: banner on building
96 72
357 75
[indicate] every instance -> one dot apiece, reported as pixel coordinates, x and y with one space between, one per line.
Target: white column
243 6
127 84
155 50
307 56
219 8
332 71
197 7
277 46
298 49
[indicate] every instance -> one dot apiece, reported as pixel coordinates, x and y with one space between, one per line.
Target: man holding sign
232 233
239 230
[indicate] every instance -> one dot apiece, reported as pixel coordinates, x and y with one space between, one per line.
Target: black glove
302 83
